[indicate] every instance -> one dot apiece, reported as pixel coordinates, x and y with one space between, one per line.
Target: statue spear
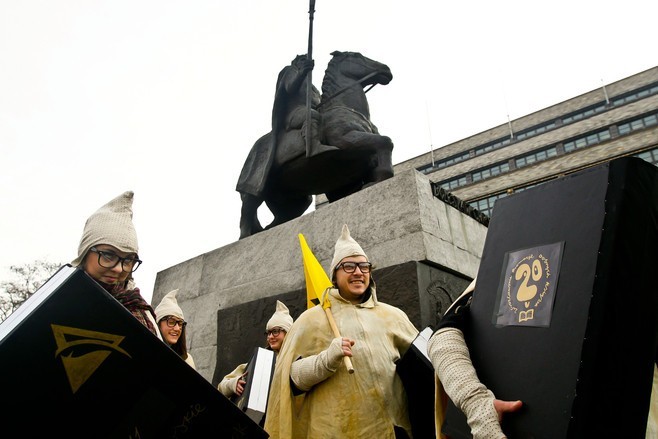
309 78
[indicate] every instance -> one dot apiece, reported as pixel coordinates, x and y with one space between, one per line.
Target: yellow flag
317 280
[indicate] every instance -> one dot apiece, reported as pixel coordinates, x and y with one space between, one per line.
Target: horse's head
356 67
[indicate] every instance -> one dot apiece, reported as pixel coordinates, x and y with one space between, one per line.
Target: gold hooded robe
367 403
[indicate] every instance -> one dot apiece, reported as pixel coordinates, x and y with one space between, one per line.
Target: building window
427 169
639 94
486 205
638 124
491 146
650 156
483 174
584 113
588 140
538 156
538 129
452 184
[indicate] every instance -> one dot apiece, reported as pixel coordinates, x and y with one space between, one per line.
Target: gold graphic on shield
79 368
527 286
530 275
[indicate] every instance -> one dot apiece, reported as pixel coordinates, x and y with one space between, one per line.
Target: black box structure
75 363
565 311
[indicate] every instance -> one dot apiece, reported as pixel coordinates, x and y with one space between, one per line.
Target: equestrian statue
330 147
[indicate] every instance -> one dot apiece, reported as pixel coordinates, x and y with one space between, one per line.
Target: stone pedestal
424 252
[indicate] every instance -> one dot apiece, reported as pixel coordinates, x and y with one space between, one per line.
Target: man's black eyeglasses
172 322
350 267
110 260
275 332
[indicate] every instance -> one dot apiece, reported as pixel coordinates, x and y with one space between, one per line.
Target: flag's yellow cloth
317 280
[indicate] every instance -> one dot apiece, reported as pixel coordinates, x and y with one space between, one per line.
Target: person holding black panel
275 332
449 355
108 252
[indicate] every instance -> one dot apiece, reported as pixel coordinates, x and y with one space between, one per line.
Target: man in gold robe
312 394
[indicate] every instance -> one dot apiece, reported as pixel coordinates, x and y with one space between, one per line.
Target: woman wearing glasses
275 331
108 253
171 323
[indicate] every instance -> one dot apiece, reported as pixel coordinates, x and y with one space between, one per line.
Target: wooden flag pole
330 316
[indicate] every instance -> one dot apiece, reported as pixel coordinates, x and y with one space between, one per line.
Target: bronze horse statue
352 154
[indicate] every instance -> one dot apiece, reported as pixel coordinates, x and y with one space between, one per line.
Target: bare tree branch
26 281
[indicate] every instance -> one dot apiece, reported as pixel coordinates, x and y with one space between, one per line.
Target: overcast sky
166 98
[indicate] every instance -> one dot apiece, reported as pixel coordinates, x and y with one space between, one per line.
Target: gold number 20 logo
525 272
531 275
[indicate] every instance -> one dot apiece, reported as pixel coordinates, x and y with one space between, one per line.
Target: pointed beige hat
169 307
281 318
345 246
112 225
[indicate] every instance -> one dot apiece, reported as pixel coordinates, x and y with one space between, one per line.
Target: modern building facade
619 119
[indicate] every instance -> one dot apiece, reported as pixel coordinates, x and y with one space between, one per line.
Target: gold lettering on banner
79 368
192 412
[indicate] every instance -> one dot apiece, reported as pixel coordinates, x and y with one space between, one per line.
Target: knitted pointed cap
169 307
281 318
112 225
345 246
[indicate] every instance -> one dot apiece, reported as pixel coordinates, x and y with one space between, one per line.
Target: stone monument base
424 252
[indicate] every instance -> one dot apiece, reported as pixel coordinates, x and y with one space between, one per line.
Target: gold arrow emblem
80 368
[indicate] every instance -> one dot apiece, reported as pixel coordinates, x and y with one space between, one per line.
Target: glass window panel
636 124
625 128
645 156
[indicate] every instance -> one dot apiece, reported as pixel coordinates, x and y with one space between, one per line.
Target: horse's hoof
247 231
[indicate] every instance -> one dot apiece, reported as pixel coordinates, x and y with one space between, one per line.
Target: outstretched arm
307 372
233 383
452 362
